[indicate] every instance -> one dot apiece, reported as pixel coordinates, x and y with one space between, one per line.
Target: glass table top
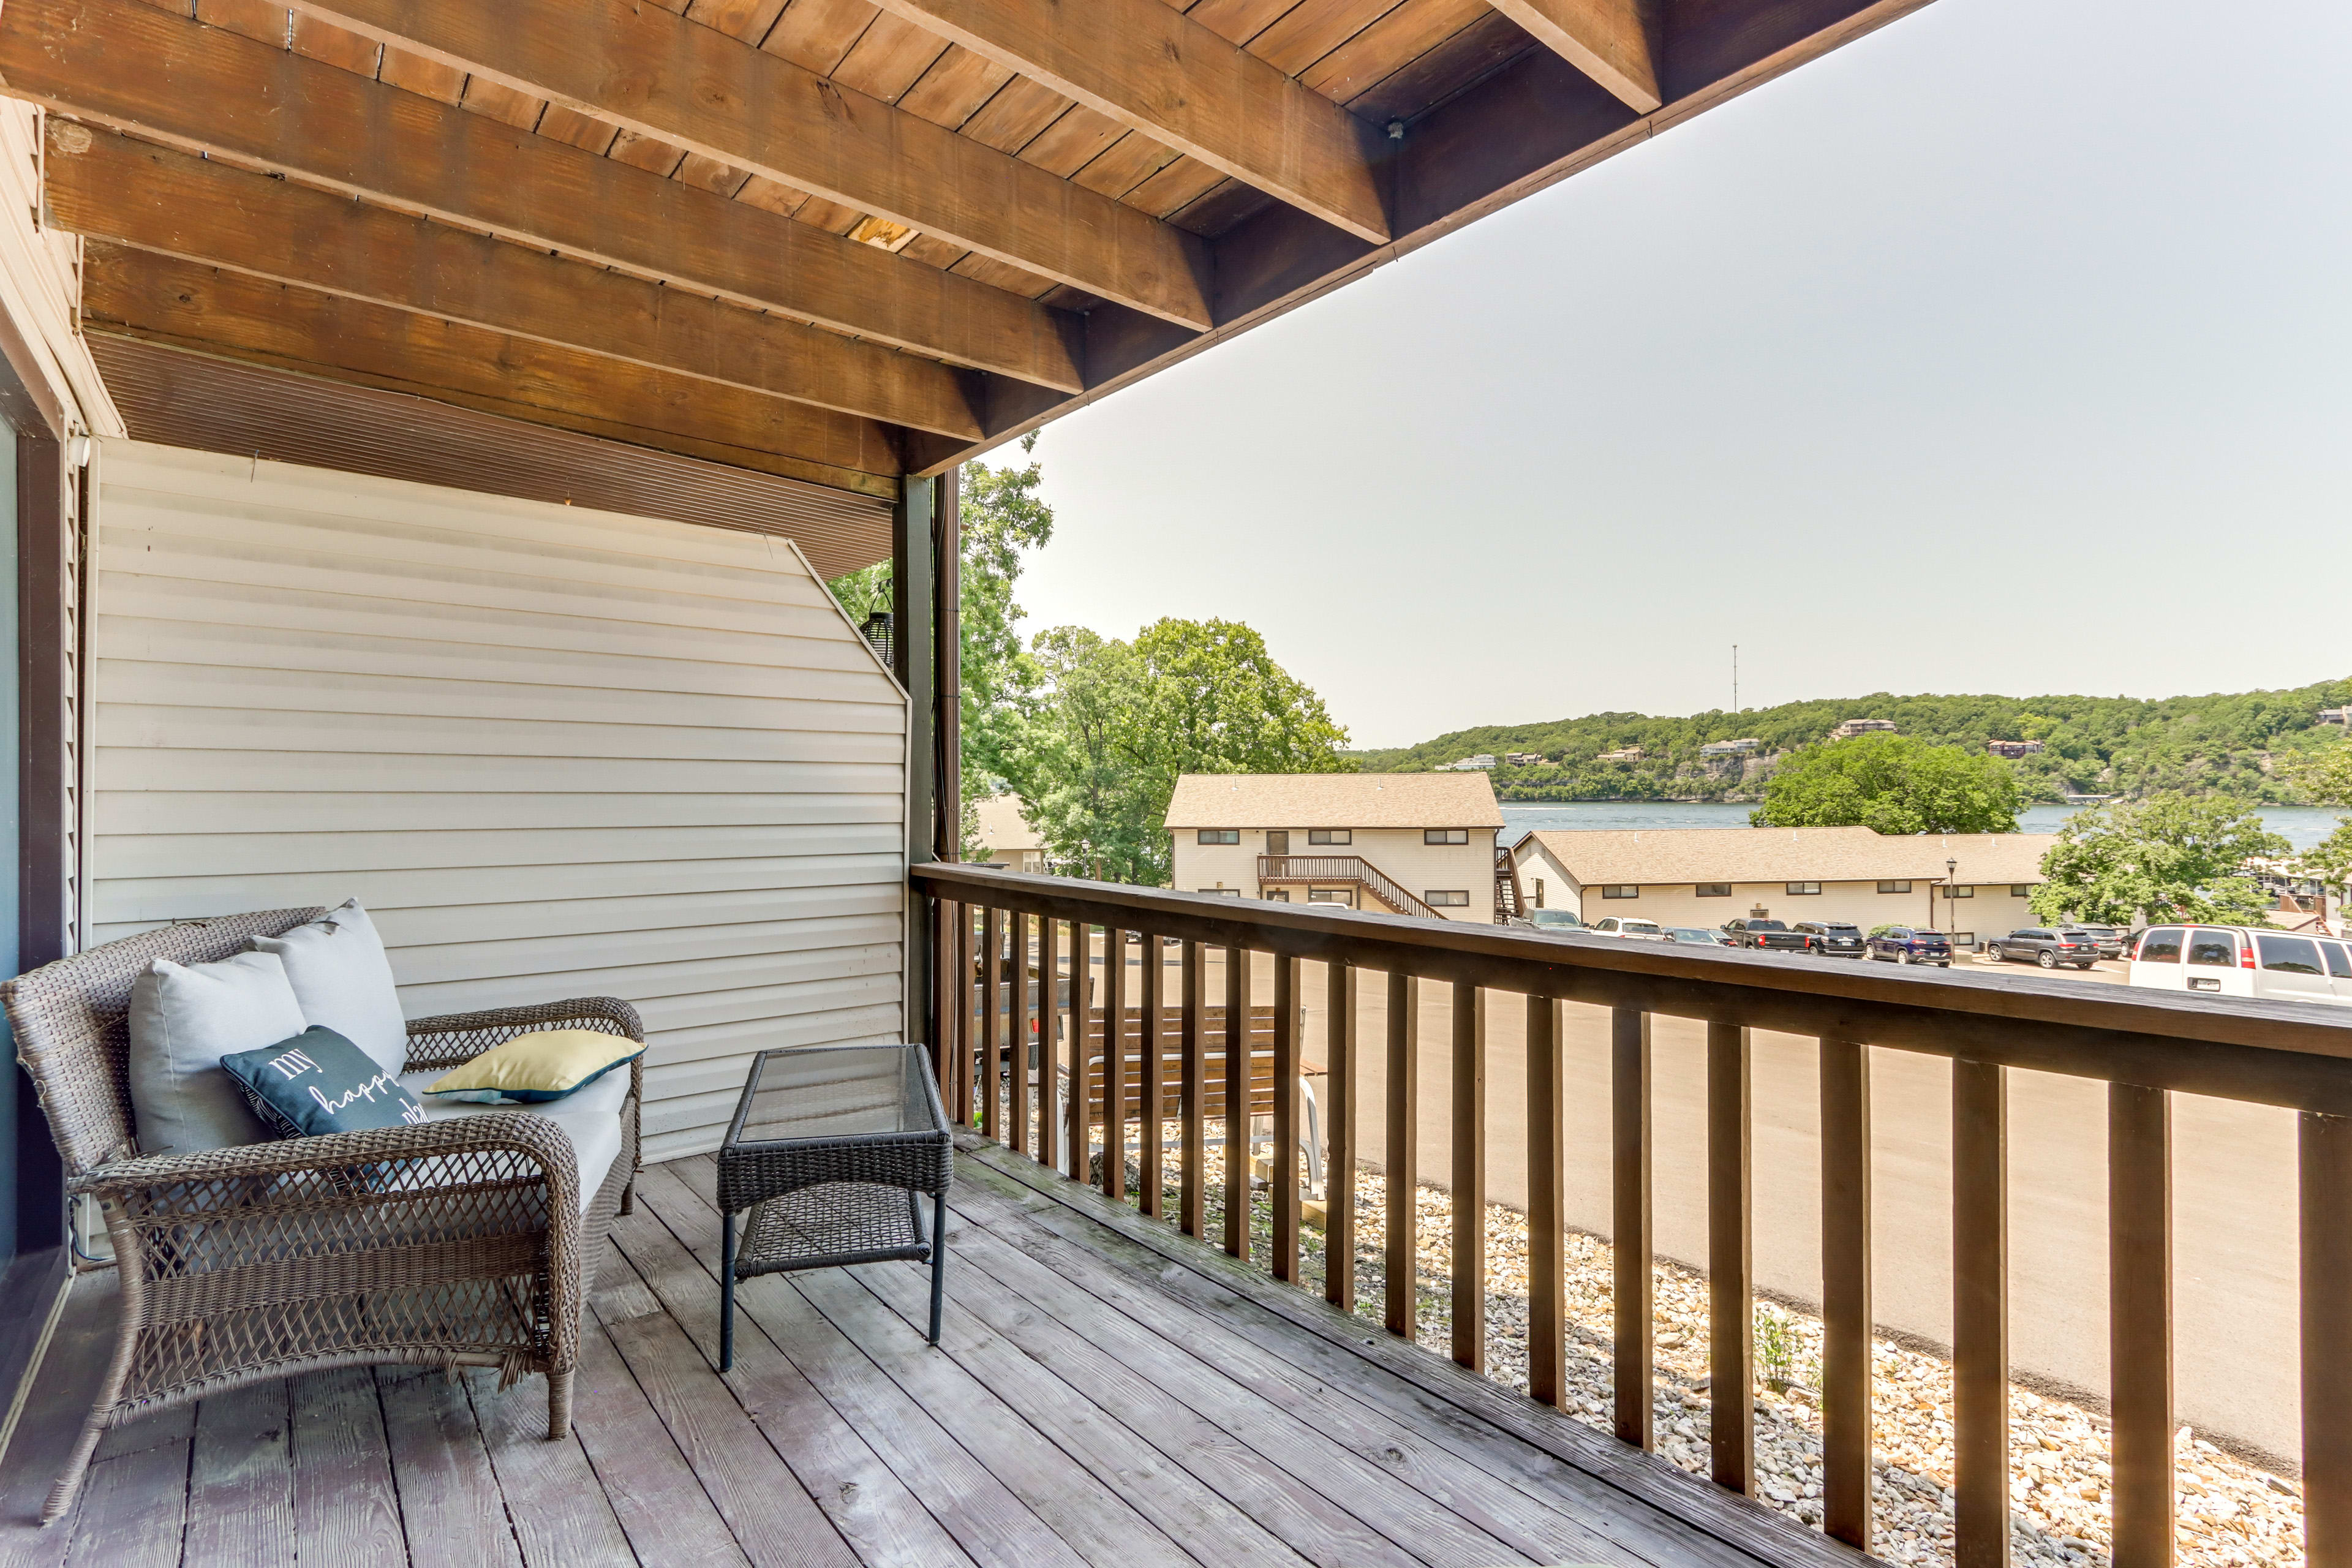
836 1092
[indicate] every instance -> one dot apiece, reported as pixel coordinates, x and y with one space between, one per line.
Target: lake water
2301 826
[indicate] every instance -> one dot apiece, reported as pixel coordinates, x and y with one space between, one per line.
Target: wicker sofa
463 1242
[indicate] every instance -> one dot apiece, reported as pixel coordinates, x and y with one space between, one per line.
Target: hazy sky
2005 350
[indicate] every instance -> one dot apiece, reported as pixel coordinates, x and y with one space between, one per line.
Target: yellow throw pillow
546 1064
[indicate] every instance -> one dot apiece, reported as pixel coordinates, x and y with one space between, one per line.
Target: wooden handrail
2145 1044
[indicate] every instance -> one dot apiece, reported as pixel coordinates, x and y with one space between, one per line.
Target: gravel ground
2230 1512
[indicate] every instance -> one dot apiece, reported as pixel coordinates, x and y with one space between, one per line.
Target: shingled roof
1333 800
1662 855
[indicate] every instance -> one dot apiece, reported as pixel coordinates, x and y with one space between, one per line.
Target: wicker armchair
459 1243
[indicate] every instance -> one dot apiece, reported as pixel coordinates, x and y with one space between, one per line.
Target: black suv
1772 935
2045 946
1834 938
1906 944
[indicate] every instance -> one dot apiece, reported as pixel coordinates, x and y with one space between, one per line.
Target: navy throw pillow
319 1083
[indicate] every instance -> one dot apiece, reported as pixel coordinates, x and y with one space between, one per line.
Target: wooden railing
1345 869
2145 1045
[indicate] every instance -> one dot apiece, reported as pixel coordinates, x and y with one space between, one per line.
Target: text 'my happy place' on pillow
184 1019
319 1083
344 982
544 1065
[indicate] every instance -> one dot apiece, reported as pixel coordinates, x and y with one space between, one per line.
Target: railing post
992 1018
1630 1247
1114 1171
1845 1290
1282 1184
1237 1101
2139 1321
959 1101
1049 1043
1547 1202
1191 1197
1730 1260
1404 1128
1340 1137
2324 1172
1082 1034
1981 1313
944 996
1017 1025
1469 1153
1147 1130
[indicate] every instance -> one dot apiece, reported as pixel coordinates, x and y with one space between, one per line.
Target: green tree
2172 857
1004 516
1121 721
1894 784
2326 778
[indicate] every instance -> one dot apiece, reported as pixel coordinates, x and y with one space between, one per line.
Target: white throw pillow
184 1019
344 982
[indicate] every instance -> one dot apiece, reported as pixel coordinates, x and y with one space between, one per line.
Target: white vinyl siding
556 752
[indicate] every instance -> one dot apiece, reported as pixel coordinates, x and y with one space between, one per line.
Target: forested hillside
2226 744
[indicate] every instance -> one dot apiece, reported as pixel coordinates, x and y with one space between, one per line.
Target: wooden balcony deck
1107 1392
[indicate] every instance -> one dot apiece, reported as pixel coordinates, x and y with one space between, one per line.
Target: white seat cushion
184 1019
343 980
589 1116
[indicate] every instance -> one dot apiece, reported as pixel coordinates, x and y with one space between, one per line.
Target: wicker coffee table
830 1148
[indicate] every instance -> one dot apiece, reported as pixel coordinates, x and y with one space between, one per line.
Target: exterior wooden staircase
1350 868
1510 899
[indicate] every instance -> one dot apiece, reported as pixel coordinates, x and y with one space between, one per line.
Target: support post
948 664
913 619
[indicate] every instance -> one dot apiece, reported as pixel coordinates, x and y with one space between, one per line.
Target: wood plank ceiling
845 240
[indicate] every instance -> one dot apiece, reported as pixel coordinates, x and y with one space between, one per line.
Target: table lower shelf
830 1225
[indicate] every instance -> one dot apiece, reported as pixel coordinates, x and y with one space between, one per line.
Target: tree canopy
2326 778
1893 784
1118 723
2223 743
1004 515
2170 856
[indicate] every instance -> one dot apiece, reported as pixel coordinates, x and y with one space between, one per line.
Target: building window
1959 892
2021 890
1539 892
1446 898
1219 836
1446 836
1621 890
1331 835
1331 896
1223 892
1276 895
1797 890
1963 939
1894 887
1714 890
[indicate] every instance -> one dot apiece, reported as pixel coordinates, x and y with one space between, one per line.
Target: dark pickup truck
1773 936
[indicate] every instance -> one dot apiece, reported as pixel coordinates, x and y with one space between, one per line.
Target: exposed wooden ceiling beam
1155 69
138 293
658 73
108 186
130 65
1608 40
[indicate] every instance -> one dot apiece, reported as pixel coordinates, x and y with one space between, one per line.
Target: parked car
2242 961
1697 936
1555 920
1833 939
1909 945
1632 927
2113 941
2046 946
1769 935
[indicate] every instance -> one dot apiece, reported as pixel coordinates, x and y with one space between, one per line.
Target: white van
2245 961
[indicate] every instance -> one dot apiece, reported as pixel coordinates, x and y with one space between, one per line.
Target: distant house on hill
1410 844
1483 762
1705 876
1853 727
1523 759
1629 754
2337 716
1731 748
2012 750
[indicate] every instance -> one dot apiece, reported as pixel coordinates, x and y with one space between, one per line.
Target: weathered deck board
1105 1393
